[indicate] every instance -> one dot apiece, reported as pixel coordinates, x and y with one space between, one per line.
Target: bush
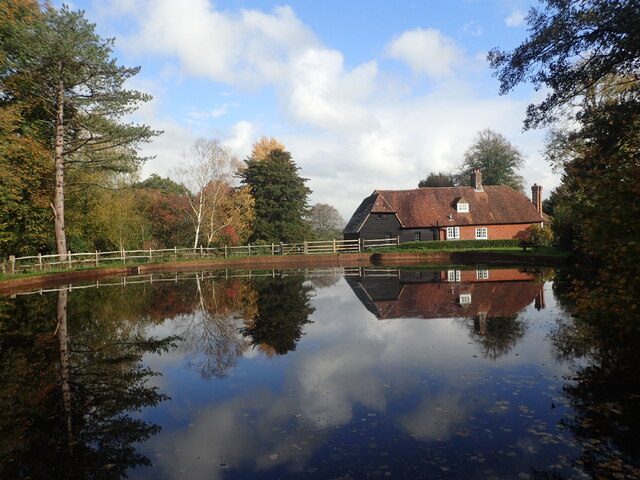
540 235
459 244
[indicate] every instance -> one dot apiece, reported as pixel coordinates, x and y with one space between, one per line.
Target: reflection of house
479 294
446 213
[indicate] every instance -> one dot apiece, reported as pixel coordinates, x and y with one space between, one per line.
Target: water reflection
69 385
288 374
487 302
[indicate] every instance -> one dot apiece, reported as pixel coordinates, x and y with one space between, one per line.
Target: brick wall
494 232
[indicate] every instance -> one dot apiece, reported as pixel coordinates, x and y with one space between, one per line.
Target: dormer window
463 207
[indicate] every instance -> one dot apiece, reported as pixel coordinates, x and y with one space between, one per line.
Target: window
465 298
482 274
453 233
463 207
453 275
481 233
416 236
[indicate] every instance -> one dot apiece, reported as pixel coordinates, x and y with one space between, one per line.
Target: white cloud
427 52
516 19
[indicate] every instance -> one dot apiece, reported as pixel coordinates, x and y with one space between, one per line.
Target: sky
364 94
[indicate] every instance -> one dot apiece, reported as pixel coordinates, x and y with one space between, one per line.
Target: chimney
476 180
536 197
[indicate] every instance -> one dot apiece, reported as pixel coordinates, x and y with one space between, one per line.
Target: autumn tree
326 222
208 171
63 71
280 196
263 147
496 158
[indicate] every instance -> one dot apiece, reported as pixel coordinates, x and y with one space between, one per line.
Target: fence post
12 264
334 245
150 254
201 252
398 240
281 248
304 247
360 244
124 255
175 252
226 251
249 249
40 261
97 258
272 250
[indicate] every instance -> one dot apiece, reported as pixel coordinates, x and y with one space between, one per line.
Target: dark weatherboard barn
446 213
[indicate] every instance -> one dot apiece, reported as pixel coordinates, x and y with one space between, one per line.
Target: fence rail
68 261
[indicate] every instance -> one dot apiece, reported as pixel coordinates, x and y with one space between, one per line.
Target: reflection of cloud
437 416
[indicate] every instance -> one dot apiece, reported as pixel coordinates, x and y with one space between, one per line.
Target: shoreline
18 285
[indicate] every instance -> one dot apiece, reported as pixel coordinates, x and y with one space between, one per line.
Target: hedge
459 244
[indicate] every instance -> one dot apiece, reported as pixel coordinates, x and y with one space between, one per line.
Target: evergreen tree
280 198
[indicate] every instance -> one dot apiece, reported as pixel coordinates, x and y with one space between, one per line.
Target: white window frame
465 299
482 274
453 233
462 207
480 231
417 237
453 275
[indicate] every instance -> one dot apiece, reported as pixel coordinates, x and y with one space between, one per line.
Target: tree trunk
58 198
65 368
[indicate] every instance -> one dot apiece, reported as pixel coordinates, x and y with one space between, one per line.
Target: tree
61 69
496 158
573 47
208 173
280 198
163 185
326 222
262 148
439 179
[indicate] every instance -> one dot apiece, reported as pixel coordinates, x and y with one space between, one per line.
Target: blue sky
365 95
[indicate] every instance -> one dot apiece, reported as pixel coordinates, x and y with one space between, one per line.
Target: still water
329 374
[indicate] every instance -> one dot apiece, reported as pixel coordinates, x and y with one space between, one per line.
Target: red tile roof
430 206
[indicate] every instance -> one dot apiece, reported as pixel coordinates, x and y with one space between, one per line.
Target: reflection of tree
66 397
496 335
604 394
282 311
210 335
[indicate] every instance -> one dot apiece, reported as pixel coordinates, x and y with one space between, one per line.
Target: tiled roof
426 207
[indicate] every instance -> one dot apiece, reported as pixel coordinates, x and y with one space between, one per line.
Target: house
446 213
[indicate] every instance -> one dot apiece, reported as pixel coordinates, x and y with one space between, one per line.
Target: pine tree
59 67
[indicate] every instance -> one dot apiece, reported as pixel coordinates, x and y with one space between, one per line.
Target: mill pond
339 373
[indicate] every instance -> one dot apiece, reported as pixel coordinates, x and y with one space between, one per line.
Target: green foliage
496 158
163 185
280 198
459 244
439 179
540 235
70 92
572 46
283 310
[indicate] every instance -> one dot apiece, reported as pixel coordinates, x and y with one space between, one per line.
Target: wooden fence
47 263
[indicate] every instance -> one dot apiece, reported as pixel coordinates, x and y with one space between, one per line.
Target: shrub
459 244
540 235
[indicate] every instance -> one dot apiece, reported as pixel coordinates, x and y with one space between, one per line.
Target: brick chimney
536 197
476 180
